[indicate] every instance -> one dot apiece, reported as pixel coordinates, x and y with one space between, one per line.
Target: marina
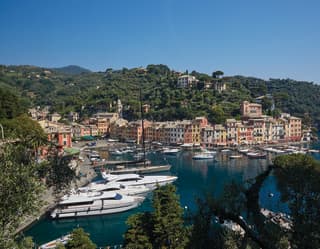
194 178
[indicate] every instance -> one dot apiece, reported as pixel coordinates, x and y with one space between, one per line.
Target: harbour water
195 178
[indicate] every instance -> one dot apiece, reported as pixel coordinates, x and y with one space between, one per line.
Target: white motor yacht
94 203
150 181
104 186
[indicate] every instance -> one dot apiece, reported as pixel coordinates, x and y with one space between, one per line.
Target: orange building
245 134
134 130
61 138
295 129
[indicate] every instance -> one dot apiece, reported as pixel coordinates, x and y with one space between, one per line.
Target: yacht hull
90 211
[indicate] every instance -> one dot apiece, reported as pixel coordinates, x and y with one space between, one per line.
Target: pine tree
80 240
163 228
138 234
168 228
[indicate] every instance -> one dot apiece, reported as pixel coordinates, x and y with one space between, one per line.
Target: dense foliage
79 240
302 196
22 175
20 189
163 228
88 93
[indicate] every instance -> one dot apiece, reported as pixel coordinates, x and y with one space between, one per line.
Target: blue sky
271 38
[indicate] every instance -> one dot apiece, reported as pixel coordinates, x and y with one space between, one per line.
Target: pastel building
245 134
207 137
219 135
232 131
295 133
134 130
186 81
258 129
118 129
54 117
79 130
250 110
57 133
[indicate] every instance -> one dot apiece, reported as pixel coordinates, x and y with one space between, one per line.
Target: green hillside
72 69
98 91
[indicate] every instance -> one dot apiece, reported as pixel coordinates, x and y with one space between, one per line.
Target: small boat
225 151
235 156
139 155
313 151
203 156
94 203
94 157
256 155
116 152
186 146
171 151
243 150
209 152
53 244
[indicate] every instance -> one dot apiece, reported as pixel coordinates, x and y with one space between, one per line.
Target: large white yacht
150 181
94 203
103 185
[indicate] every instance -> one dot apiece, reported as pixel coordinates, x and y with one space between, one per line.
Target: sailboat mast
142 126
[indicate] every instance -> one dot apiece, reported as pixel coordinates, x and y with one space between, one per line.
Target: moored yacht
256 155
187 146
235 156
203 156
54 243
104 186
171 151
137 180
94 203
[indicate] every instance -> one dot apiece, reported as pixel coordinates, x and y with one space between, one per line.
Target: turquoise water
195 178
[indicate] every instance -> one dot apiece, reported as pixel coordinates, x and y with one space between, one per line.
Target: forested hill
72 69
98 91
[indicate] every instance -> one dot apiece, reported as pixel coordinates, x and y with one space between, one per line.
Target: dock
141 169
115 163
